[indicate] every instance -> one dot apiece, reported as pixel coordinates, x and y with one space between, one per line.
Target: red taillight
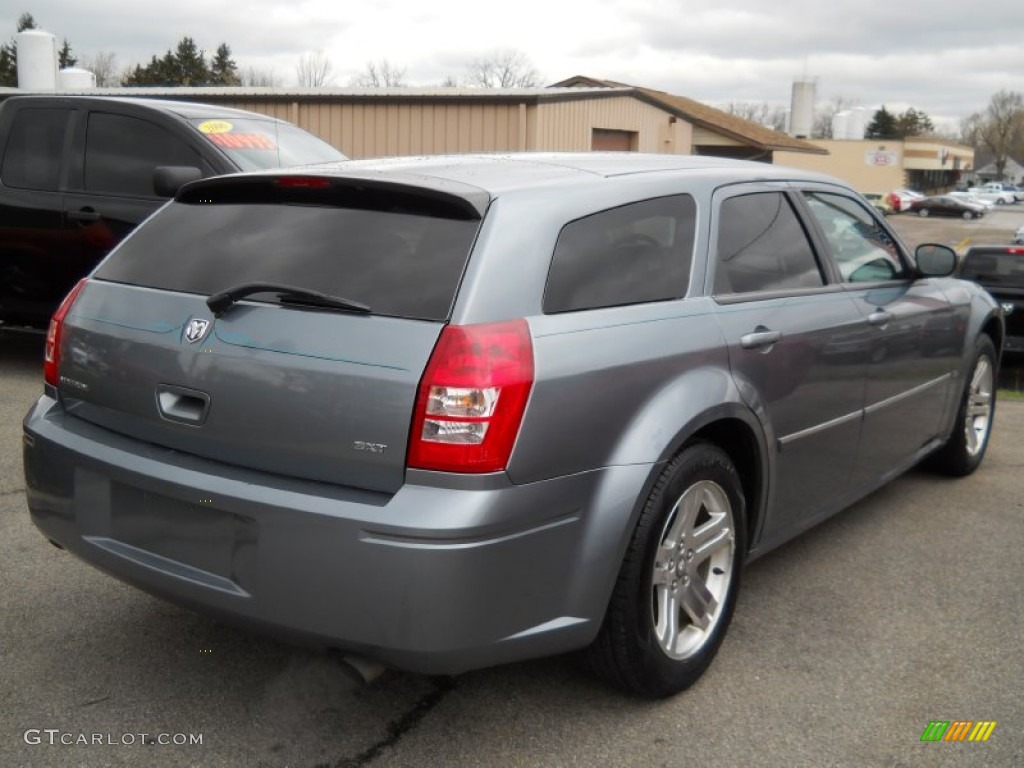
51 360
472 397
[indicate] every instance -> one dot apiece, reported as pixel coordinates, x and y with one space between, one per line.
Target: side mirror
935 260
168 179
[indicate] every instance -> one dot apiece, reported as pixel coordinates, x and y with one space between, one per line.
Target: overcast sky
946 58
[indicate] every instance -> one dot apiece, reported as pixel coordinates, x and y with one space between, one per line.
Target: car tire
999 201
965 448
677 587
922 212
969 215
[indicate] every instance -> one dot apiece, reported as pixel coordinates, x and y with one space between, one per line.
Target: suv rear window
995 267
399 263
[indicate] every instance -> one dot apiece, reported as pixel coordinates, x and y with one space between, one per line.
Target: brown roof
735 127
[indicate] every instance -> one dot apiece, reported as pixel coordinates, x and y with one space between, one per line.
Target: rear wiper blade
219 303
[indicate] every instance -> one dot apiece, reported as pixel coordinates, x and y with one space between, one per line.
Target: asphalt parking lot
997 226
847 642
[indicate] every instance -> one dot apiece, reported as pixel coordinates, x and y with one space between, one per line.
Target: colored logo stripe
958 730
982 730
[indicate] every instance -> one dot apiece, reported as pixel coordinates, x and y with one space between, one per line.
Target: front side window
34 149
627 255
121 154
863 250
762 247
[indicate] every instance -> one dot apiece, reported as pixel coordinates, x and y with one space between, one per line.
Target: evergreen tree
189 64
882 125
183 66
64 57
223 70
913 123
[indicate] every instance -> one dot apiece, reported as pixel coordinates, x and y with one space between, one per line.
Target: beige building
580 115
871 165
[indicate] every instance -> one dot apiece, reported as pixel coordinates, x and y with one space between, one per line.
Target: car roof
497 173
185 109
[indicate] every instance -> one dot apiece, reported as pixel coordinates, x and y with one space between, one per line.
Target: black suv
999 269
78 173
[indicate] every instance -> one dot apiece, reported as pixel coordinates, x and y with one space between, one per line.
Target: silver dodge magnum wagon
450 412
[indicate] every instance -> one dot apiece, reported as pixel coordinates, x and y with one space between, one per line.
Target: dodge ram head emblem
1007 307
196 329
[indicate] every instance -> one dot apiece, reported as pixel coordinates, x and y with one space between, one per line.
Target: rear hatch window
256 145
400 254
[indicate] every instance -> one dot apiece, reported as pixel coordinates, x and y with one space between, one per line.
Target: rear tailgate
307 392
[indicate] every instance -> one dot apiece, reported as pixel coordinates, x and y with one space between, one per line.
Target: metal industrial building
576 115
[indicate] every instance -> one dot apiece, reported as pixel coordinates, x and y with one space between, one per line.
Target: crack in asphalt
13 492
398 728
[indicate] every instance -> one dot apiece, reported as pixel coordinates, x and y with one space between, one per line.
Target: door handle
761 338
84 214
880 318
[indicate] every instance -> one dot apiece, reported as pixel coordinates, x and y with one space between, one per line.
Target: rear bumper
434 579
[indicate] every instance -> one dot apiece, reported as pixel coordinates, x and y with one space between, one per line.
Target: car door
916 333
798 348
33 258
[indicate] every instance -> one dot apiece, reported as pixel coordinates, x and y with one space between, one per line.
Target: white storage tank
857 125
75 79
801 115
840 125
37 60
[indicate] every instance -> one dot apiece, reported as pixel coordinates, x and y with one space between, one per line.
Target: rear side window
122 152
627 255
763 247
399 262
34 149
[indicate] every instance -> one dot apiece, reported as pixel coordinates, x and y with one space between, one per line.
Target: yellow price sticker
215 126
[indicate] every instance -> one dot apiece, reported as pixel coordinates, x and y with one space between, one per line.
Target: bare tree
503 68
380 74
823 116
450 81
1000 128
314 69
251 77
104 66
769 115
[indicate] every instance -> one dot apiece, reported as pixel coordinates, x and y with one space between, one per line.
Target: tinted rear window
399 263
627 255
1004 267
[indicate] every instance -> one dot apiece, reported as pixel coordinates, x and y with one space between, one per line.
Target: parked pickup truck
999 269
78 173
997 196
1002 186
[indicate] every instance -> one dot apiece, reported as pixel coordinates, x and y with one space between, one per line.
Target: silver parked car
452 412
